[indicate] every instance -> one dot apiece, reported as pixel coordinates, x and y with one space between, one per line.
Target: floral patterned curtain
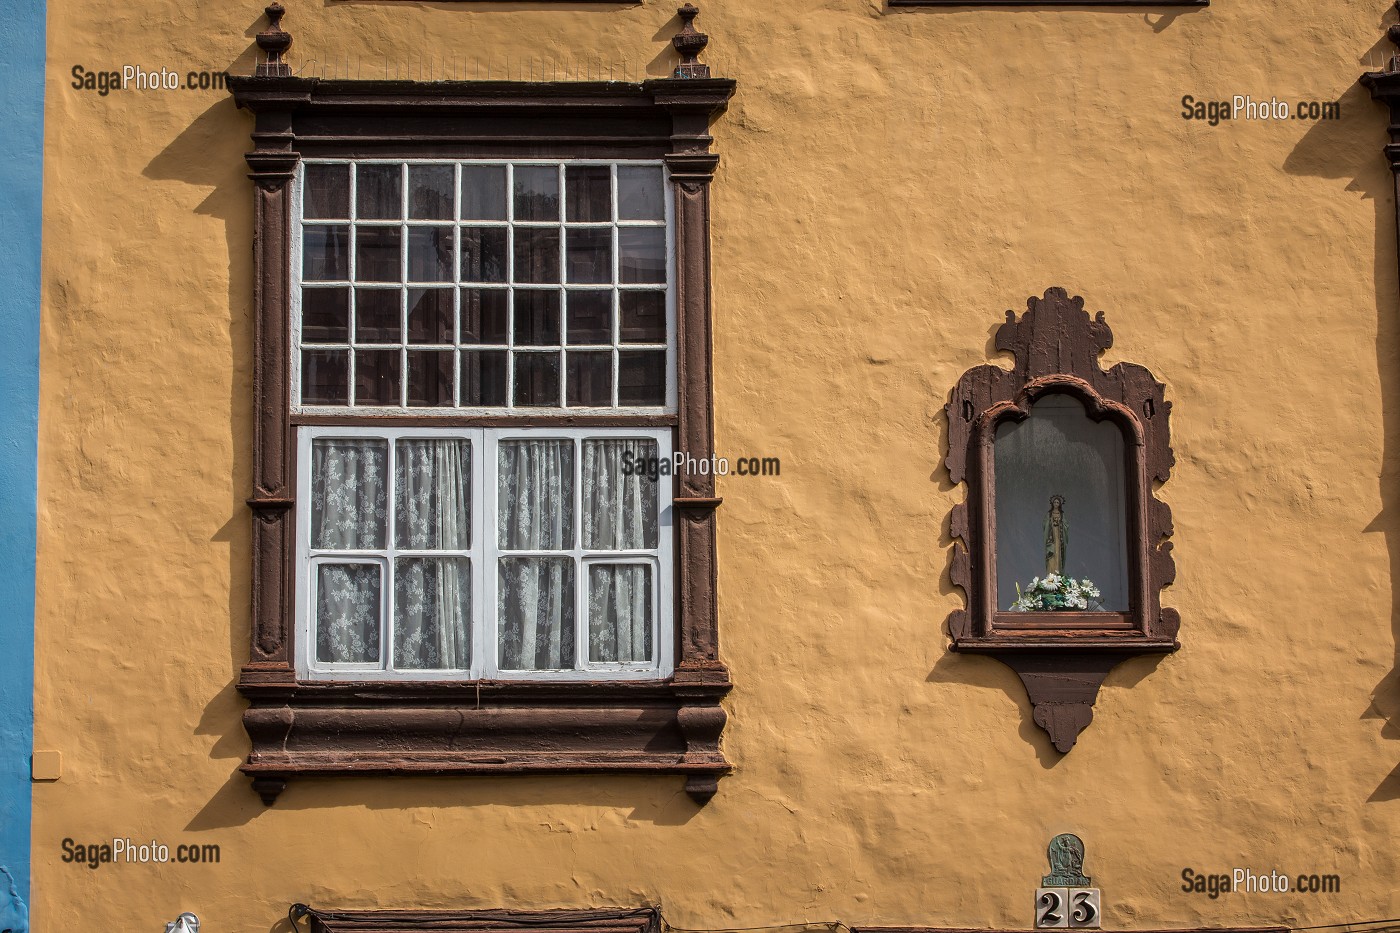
619 513
432 595
535 512
348 505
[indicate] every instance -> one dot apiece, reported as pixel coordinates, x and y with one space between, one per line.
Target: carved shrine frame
302 727
1061 657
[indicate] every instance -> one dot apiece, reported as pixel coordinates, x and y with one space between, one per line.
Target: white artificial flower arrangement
1056 593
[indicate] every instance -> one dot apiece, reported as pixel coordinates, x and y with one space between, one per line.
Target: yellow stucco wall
891 182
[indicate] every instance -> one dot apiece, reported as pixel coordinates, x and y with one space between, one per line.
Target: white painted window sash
485 554
510 224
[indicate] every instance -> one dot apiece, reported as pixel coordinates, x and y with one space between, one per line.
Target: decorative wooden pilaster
694 99
271 94
1384 85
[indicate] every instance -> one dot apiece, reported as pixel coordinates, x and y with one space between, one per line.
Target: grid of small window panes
459 285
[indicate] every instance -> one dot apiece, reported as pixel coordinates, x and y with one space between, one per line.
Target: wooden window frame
639 920
1061 657
299 727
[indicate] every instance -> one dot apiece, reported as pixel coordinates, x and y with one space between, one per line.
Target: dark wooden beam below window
1163 4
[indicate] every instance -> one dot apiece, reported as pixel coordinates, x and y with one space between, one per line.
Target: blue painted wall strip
21 220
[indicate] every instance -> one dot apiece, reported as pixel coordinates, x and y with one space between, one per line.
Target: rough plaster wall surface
891 183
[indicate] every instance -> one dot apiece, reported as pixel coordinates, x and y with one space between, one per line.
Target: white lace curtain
536 509
535 512
348 504
619 513
536 519
432 595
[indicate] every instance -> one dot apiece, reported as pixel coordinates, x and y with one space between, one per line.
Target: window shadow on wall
1350 149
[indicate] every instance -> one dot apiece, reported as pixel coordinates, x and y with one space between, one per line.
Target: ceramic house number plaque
1065 898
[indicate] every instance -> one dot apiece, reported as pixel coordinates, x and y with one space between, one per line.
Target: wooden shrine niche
1061 546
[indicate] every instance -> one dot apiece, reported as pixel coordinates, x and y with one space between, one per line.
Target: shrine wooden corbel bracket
1062 658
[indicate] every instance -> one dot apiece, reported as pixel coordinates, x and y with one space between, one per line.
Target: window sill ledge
434 728
1059 641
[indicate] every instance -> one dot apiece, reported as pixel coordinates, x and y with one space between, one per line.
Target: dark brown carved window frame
1045 3
638 920
305 727
1061 657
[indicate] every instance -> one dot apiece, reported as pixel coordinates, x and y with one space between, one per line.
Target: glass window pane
537 380
432 613
535 495
325 377
590 317
325 254
590 193
484 379
431 192
589 378
643 317
377 254
377 377
430 378
326 192
483 192
484 315
619 510
639 193
348 493
433 492
537 255
429 315
377 193
643 254
483 254
536 317
536 192
325 315
430 254
348 612
590 255
619 612
641 377
377 315
1060 494
536 613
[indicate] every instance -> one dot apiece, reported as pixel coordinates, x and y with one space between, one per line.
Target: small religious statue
1056 536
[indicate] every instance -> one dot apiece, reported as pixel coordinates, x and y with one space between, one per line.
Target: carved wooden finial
690 42
274 41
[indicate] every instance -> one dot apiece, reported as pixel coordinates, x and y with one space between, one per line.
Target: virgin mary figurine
1056 536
